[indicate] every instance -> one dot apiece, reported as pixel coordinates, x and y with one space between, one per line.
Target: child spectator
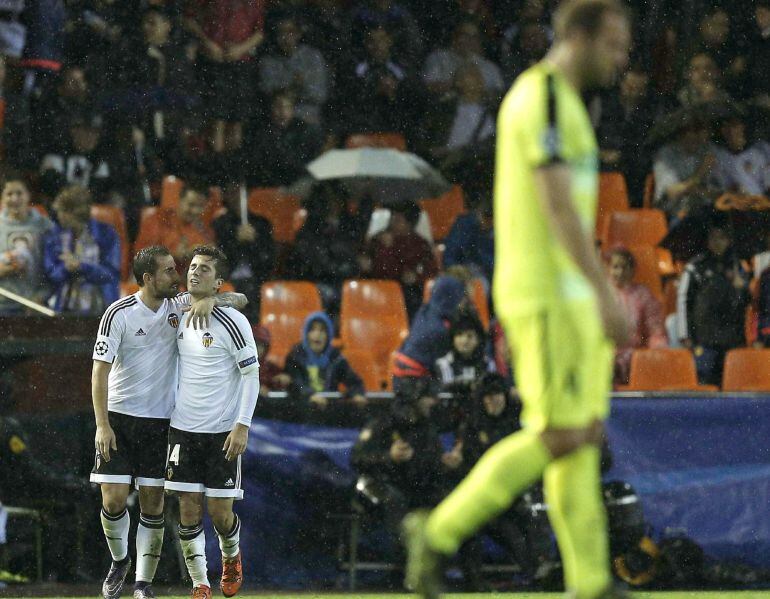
81 256
464 365
645 314
21 245
315 367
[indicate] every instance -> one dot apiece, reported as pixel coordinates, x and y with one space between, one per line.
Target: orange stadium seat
289 296
285 331
363 362
112 215
613 197
443 211
647 269
649 191
635 227
372 298
170 190
395 141
278 209
664 370
747 369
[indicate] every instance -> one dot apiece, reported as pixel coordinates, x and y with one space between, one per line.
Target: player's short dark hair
221 264
584 15
146 262
12 176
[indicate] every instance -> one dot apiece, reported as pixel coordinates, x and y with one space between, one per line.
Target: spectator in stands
625 123
278 152
471 242
399 253
745 167
715 37
464 365
81 256
316 367
398 460
326 25
429 337
386 97
644 312
687 179
394 18
248 244
711 302
271 377
229 31
296 68
179 229
524 48
156 82
460 132
758 55
441 65
80 161
327 246
703 81
21 245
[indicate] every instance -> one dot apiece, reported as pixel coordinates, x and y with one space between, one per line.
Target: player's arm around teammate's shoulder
244 351
200 311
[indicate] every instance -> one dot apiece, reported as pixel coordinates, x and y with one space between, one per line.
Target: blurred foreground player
557 307
218 389
133 385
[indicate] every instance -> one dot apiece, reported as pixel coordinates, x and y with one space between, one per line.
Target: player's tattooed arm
200 310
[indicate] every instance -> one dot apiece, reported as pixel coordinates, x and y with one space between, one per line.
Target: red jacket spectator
229 23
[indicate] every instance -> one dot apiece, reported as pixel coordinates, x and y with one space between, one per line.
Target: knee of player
151 500
190 508
221 513
114 498
561 442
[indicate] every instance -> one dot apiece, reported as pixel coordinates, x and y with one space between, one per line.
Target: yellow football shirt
542 120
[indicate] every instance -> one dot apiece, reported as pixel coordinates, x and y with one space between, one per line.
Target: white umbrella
389 174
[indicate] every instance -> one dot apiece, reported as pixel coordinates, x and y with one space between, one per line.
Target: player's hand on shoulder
199 313
105 441
235 444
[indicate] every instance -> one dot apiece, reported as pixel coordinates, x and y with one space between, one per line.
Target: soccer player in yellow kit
557 307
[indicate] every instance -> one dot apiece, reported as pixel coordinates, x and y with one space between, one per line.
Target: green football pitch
679 595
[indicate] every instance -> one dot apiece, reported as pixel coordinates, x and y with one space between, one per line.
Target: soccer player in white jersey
218 389
134 384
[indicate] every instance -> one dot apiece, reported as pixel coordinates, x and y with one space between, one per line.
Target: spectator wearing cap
316 367
471 241
296 68
248 244
401 254
228 31
644 312
80 161
271 377
81 256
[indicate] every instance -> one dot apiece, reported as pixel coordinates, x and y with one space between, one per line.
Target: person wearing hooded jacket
315 367
429 337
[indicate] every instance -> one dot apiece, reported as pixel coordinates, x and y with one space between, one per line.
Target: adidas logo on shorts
139 333
229 483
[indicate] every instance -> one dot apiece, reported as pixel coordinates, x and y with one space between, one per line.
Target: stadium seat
278 209
747 369
363 362
613 197
635 227
664 370
215 206
128 288
649 191
373 316
443 211
670 290
395 141
478 297
285 331
171 189
666 265
647 269
112 215
289 296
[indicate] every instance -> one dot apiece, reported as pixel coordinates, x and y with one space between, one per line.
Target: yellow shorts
563 365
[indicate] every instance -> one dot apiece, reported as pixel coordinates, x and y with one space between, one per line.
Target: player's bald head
585 16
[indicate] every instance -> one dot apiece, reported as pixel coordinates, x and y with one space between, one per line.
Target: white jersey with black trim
212 364
141 346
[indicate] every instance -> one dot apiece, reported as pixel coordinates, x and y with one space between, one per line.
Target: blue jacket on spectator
429 338
763 308
95 285
468 244
332 367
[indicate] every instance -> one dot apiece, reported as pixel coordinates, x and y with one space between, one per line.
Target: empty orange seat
363 362
646 271
613 197
277 208
285 332
747 369
112 215
649 190
443 211
372 298
376 140
289 296
635 227
664 370
170 191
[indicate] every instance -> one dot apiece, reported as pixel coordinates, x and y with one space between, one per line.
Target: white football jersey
212 363
141 346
